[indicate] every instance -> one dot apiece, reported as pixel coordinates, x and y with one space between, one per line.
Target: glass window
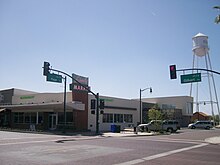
21 117
60 118
69 118
40 117
33 117
16 117
27 117
107 118
128 118
118 118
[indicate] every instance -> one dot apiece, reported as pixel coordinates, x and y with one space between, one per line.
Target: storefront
117 111
41 111
45 111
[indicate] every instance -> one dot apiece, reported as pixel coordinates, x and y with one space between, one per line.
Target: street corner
213 140
127 134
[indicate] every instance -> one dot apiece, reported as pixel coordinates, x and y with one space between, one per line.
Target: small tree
155 114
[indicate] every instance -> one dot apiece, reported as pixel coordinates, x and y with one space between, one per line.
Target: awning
70 106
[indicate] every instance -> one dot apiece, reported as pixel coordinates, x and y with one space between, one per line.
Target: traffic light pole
208 70
97 113
197 69
64 106
46 71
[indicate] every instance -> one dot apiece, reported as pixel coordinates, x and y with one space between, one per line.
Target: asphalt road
186 147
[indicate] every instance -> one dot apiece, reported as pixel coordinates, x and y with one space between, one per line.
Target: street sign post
54 78
190 78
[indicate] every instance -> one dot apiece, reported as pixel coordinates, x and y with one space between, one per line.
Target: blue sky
121 45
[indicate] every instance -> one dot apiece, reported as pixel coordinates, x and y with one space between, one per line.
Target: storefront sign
26 97
83 80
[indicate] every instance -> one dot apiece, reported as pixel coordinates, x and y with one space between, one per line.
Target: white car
201 125
157 125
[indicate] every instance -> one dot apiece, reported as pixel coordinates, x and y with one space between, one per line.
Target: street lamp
141 90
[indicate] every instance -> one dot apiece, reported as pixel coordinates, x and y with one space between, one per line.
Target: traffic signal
102 104
151 90
93 104
172 71
46 68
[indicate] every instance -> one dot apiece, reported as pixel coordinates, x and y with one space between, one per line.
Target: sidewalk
213 140
126 134
93 135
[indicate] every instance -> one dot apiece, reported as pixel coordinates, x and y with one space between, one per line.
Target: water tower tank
200 44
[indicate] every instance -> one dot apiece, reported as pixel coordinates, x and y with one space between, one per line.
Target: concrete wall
114 106
40 98
179 102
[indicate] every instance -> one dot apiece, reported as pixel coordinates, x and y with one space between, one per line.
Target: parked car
201 125
159 125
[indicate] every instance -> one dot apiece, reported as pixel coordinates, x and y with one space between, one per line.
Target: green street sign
54 78
190 78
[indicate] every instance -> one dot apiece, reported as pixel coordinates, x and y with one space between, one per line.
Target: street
185 147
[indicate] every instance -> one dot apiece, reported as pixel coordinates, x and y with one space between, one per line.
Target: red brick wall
81 117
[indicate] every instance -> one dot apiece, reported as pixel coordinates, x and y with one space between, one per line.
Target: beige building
45 111
175 103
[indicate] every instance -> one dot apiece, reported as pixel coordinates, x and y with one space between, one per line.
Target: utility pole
64 106
97 113
141 90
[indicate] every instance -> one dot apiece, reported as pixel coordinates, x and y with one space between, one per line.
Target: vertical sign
82 80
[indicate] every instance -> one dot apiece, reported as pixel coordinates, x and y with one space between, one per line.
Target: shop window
69 118
19 117
107 118
40 117
27 117
33 117
118 118
128 118
16 117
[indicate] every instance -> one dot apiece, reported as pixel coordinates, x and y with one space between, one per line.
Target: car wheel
146 129
207 127
193 127
170 130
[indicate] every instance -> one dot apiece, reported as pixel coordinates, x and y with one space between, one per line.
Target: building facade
45 111
177 107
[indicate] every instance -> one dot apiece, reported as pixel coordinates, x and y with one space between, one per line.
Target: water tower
201 59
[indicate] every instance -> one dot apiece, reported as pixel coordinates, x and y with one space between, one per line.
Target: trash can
115 128
118 129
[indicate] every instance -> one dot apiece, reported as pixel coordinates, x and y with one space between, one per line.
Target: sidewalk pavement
212 140
93 135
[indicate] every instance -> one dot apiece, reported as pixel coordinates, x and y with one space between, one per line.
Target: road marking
136 161
169 140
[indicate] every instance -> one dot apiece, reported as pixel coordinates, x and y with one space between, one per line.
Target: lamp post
141 90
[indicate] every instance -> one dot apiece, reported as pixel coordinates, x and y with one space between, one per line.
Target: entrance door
52 121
